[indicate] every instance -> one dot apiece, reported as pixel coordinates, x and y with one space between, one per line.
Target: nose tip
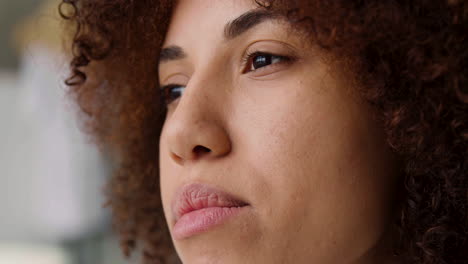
203 141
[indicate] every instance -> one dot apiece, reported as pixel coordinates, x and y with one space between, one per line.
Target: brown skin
406 60
290 138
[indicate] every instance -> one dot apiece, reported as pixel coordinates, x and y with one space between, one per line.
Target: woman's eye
259 60
172 92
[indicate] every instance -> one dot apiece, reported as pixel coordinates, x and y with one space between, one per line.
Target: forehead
193 17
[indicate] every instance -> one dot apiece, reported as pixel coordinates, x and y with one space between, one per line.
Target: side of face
286 133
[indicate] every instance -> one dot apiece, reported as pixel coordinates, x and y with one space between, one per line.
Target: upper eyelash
249 55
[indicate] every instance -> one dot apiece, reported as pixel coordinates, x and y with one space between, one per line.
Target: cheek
168 172
322 165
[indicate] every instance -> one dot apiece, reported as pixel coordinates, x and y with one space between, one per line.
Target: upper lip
197 196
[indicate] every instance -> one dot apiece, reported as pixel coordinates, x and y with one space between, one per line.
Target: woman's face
269 155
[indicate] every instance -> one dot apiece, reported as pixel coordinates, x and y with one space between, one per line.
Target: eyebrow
247 21
232 30
171 53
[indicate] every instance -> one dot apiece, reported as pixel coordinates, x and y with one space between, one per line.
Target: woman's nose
195 130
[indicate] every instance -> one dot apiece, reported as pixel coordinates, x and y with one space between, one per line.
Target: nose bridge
200 101
195 127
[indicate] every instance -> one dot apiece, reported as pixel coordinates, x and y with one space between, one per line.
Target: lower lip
202 220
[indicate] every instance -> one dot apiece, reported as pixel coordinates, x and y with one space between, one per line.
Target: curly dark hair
410 57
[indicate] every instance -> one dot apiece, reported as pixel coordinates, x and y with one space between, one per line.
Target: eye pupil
173 92
261 61
176 92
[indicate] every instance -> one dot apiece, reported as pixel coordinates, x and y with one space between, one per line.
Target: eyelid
268 69
275 47
268 47
178 75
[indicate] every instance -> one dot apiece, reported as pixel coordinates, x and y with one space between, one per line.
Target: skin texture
292 139
409 59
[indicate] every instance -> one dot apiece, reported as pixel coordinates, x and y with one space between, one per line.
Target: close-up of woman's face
268 154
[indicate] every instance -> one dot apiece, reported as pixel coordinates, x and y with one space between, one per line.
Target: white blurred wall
52 176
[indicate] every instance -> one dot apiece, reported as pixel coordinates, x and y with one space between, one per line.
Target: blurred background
51 201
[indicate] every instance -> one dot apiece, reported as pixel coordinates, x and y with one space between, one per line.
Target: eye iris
176 92
173 92
261 61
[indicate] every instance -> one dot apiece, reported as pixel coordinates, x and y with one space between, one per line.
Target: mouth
199 208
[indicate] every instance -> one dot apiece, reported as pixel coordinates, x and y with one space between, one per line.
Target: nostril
176 158
200 150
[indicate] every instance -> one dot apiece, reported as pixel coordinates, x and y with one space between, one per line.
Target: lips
198 207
